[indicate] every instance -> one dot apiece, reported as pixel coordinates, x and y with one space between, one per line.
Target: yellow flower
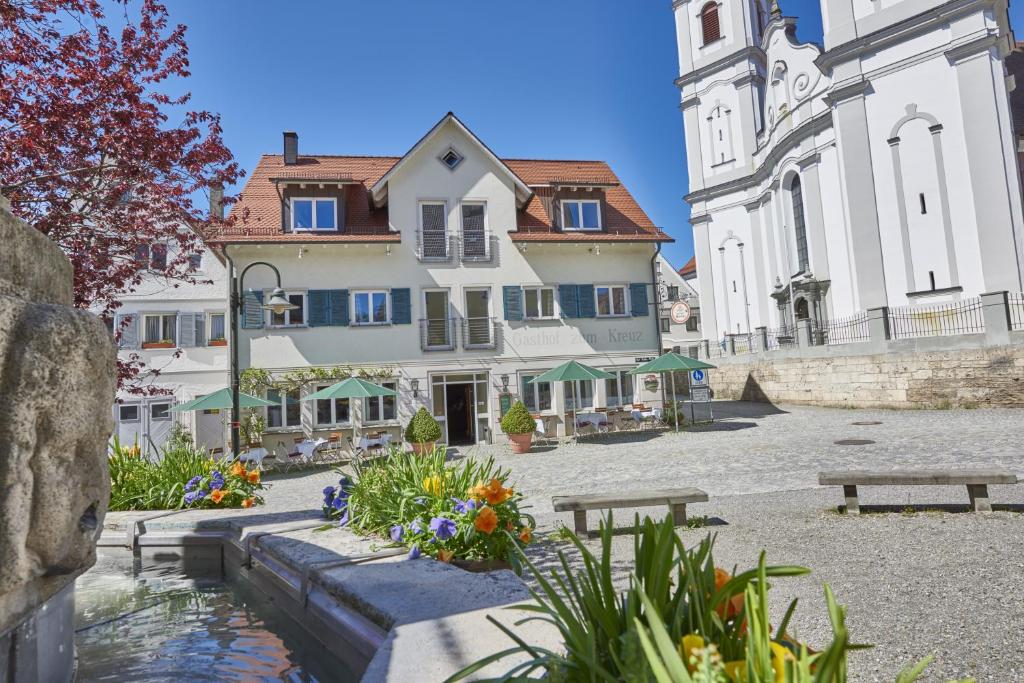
432 485
736 671
688 647
779 656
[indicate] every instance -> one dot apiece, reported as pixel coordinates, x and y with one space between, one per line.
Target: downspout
234 374
657 302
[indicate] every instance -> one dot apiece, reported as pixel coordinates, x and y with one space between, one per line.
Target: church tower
721 80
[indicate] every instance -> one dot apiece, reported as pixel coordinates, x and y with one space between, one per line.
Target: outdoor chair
288 460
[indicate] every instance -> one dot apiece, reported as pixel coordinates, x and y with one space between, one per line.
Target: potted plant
423 432
221 341
520 426
162 344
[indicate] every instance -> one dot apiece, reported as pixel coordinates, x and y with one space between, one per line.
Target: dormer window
314 213
581 214
451 159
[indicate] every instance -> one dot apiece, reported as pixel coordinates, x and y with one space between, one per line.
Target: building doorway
459 403
459 410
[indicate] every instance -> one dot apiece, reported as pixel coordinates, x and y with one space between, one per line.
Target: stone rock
57 382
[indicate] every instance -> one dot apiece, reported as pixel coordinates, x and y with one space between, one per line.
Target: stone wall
962 377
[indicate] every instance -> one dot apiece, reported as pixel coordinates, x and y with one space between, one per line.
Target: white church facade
878 171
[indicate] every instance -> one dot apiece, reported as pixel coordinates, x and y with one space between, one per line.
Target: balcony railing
432 245
477 246
478 333
437 334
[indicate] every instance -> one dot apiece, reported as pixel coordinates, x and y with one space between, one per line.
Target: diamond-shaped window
451 158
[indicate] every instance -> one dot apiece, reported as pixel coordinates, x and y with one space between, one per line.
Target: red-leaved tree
96 151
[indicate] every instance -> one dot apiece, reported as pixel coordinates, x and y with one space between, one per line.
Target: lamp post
278 303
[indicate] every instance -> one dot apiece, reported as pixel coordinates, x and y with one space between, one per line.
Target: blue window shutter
568 300
585 298
638 298
337 304
401 307
186 330
252 309
200 329
319 307
513 298
130 332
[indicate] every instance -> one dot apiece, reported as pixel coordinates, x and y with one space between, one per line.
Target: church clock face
680 312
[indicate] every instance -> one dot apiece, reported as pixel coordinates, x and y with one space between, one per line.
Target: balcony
478 333
437 334
477 246
433 245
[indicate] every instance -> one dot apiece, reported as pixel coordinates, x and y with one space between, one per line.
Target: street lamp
278 303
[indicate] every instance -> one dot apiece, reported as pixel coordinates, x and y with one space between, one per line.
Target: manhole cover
866 422
853 442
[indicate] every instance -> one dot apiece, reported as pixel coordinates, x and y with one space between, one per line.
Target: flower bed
454 512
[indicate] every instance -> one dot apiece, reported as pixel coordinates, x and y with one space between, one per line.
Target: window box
165 344
218 342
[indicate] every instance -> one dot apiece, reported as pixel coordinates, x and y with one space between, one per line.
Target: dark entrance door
459 405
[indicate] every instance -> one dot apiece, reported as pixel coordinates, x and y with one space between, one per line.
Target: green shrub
518 420
423 428
673 413
681 619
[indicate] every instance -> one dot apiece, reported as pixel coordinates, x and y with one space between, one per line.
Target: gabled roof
379 190
690 268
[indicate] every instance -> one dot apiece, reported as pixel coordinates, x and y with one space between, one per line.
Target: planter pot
423 448
219 342
158 345
481 566
520 442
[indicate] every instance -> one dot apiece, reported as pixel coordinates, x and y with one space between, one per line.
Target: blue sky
563 79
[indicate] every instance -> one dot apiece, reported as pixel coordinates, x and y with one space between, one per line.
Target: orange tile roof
690 267
256 216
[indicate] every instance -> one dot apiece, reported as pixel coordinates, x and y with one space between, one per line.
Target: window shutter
319 307
513 298
709 24
200 329
337 305
401 307
252 309
186 330
567 300
130 332
638 298
585 301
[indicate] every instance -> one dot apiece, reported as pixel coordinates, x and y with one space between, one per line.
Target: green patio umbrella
353 387
221 400
575 372
672 362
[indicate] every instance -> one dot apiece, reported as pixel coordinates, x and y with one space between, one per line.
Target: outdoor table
309 446
255 455
641 415
367 442
597 420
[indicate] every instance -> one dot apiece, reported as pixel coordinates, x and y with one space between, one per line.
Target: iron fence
958 317
744 343
1015 302
478 333
437 334
846 330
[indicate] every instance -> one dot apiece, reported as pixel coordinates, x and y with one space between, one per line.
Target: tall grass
137 483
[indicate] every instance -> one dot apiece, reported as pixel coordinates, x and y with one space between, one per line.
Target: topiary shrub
423 428
518 420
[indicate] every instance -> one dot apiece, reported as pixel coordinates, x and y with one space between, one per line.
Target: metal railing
846 330
476 246
478 333
1015 302
781 338
744 343
437 334
432 245
959 317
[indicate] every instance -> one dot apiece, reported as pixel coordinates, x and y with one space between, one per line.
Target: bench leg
979 497
852 504
679 514
579 518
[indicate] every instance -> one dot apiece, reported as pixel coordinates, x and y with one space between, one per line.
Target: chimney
291 147
217 201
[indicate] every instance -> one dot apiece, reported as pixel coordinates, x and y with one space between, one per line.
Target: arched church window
709 23
796 196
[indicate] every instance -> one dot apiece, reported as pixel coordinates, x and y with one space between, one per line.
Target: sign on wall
680 312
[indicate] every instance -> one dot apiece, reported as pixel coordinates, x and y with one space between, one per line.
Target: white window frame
535 388
153 405
611 301
145 316
370 292
540 308
209 325
619 374
287 314
422 234
581 202
487 222
315 228
138 413
334 411
570 395
380 404
283 405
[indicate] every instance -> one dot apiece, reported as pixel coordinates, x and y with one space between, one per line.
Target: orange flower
445 555
237 470
526 534
217 496
248 502
733 605
486 520
495 493
254 477
721 578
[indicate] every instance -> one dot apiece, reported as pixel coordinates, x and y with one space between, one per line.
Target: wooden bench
676 499
976 481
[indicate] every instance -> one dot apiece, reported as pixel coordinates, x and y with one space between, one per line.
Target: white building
180 332
679 310
878 171
449 274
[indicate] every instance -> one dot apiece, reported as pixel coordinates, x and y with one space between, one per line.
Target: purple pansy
443 528
397 532
338 503
464 506
416 526
344 518
414 554
216 481
192 483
